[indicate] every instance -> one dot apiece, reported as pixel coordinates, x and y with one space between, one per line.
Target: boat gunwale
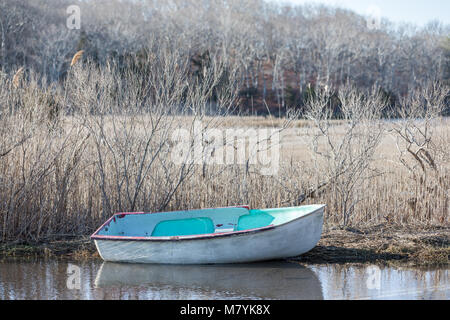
123 214
96 236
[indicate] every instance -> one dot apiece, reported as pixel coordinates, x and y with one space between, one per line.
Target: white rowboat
210 236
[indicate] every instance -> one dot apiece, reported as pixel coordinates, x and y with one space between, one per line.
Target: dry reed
77 56
17 77
110 150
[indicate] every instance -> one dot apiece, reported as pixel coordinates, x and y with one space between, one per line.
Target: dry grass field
71 156
387 225
392 194
55 182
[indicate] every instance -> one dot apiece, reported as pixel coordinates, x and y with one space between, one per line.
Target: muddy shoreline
387 245
426 247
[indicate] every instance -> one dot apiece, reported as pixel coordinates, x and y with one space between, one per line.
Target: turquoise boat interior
198 222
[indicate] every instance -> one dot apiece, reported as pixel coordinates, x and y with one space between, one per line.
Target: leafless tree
343 154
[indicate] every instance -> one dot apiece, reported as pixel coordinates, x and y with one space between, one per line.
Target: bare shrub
131 117
423 150
343 155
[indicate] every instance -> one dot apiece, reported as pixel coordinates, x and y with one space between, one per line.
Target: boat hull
287 240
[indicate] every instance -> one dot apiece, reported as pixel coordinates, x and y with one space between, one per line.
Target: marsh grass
77 56
70 156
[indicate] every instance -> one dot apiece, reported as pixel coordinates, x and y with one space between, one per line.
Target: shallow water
52 279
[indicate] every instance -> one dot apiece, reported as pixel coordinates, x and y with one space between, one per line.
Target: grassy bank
382 244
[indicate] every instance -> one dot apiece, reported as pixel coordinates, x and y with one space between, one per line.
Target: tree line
284 54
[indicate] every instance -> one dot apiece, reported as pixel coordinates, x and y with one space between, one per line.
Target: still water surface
52 279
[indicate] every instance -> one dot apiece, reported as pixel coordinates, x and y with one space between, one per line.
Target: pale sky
419 12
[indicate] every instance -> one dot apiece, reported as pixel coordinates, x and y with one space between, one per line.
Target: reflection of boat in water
271 280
